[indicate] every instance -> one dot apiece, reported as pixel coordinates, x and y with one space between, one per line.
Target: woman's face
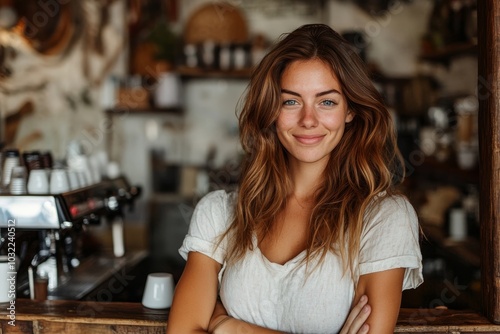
313 111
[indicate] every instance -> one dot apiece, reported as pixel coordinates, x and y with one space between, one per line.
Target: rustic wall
61 83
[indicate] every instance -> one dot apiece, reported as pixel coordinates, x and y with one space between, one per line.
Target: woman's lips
309 139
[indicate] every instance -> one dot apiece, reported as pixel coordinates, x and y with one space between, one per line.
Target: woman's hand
355 323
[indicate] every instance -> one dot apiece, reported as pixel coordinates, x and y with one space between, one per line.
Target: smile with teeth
309 139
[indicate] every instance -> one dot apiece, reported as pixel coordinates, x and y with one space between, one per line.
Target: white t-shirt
279 296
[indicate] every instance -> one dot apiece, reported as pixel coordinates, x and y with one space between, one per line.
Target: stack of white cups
18 181
78 171
81 171
11 161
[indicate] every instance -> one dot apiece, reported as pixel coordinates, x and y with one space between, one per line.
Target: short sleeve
210 219
390 240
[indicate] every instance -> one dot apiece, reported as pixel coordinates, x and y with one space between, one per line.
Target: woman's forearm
229 325
221 323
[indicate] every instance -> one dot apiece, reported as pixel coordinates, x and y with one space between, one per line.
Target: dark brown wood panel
443 321
489 142
19 328
49 327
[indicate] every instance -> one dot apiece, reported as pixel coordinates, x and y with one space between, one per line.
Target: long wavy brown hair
365 163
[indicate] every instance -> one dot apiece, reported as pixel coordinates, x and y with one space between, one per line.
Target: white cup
113 170
59 182
7 280
466 158
458 224
159 291
38 182
167 92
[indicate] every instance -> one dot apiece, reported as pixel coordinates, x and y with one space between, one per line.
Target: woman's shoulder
218 197
218 201
391 205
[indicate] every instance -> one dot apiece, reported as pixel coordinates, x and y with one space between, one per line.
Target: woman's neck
306 178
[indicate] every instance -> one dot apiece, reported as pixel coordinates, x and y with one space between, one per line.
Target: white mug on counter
159 291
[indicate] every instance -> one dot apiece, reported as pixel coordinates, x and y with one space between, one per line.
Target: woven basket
218 22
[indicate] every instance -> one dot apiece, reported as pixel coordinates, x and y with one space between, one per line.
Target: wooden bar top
73 317
112 313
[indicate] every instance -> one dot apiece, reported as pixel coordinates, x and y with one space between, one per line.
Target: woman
316 228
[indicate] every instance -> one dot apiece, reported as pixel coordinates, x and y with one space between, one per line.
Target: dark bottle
471 21
457 21
438 24
46 160
31 160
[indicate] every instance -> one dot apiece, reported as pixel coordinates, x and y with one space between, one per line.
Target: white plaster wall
136 135
211 120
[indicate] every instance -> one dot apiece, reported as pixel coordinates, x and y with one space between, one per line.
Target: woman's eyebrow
318 94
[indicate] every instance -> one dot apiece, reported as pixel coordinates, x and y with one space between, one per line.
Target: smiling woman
316 230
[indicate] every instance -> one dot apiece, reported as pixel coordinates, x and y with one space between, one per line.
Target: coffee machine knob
91 219
66 224
112 203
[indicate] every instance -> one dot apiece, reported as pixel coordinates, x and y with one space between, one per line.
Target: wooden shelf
449 51
466 250
191 72
152 110
447 171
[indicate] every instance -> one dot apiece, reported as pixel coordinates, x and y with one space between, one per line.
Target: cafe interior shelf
446 171
449 51
151 110
196 72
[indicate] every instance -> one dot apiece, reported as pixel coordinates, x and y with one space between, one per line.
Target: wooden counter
74 317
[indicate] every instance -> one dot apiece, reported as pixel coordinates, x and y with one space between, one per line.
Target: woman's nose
308 117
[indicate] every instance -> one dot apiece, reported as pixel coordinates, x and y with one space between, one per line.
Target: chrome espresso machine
53 243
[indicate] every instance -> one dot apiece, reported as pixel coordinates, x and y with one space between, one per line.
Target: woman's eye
329 103
289 102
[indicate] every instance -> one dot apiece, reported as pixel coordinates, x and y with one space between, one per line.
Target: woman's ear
349 117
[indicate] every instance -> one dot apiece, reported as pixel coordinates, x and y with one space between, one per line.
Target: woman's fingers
358 325
355 322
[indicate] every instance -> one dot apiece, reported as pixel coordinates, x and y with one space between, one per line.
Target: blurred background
149 90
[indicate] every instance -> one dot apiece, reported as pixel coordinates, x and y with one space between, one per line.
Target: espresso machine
53 241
